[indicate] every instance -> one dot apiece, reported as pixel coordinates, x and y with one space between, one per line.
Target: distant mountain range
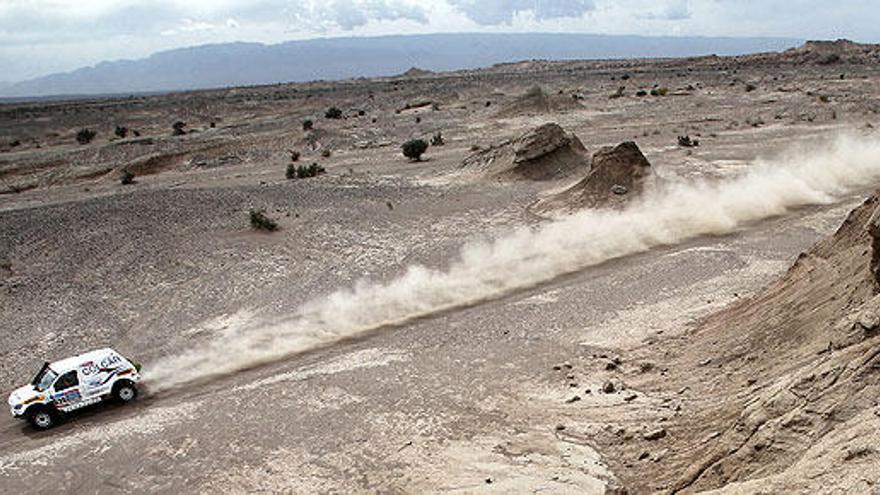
238 64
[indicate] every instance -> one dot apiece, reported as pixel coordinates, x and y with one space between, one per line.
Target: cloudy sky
43 36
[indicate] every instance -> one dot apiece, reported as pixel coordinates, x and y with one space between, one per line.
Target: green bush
260 221
85 136
177 128
126 178
307 171
333 113
414 149
660 91
687 142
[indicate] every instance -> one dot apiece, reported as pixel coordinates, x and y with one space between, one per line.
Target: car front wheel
124 392
41 419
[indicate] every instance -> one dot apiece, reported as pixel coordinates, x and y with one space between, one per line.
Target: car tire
42 418
124 391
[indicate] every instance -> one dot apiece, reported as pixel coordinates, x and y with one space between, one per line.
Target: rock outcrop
537 102
544 153
617 174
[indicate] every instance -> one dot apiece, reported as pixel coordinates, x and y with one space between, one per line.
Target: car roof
74 362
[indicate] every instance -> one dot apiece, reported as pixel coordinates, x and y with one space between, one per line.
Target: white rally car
73 383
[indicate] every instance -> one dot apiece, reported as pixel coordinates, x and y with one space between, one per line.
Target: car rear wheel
125 392
41 419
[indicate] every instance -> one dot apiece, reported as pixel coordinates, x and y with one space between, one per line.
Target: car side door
66 391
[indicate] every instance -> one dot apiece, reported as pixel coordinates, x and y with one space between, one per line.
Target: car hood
22 394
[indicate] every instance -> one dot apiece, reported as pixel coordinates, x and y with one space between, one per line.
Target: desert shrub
414 149
660 91
756 122
326 152
619 93
418 120
641 93
294 155
333 113
437 139
687 142
85 136
625 77
290 173
308 171
177 128
535 92
361 113
750 88
121 131
14 144
308 125
126 178
260 221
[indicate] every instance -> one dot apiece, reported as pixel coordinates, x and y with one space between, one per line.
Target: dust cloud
532 255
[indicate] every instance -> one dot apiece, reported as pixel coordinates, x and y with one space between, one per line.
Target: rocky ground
687 362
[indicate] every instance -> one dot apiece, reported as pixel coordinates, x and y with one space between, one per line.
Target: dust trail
529 256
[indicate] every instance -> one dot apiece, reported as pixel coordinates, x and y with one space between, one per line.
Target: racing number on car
66 398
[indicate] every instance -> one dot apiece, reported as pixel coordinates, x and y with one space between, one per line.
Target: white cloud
492 12
41 36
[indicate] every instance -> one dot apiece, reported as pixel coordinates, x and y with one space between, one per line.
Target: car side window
66 381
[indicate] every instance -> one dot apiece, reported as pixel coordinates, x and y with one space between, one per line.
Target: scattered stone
655 434
630 396
573 399
644 455
573 384
608 387
610 366
560 427
706 362
619 190
488 481
566 365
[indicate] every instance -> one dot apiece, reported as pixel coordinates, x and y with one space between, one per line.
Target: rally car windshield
44 379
